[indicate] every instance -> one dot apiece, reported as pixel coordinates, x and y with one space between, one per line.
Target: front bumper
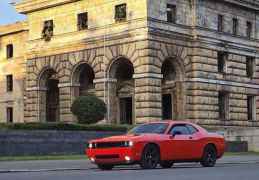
122 155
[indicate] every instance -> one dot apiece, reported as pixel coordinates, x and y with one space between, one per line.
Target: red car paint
178 148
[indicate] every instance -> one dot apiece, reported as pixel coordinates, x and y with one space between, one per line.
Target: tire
150 157
105 166
209 156
166 164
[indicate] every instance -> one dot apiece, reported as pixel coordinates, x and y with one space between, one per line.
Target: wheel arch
212 145
154 144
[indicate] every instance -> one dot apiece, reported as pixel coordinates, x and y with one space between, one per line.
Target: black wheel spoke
150 157
209 157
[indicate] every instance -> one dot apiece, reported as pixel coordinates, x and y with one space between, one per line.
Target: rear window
191 129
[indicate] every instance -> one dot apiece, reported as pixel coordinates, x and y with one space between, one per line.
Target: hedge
73 127
63 127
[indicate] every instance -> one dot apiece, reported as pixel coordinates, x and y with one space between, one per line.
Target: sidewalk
64 165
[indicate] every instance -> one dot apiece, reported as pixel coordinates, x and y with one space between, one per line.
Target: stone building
149 60
12 71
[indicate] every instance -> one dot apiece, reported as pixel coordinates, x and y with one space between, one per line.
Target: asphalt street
249 171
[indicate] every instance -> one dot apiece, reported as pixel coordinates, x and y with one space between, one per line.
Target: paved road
84 164
248 171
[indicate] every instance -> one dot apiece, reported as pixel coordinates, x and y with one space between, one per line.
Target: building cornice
13 28
251 4
27 6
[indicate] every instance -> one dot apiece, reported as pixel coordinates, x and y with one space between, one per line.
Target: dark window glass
182 129
222 58
220 23
235 26
82 21
250 63
156 128
248 29
223 105
250 107
47 31
121 12
9 83
9 114
9 51
191 129
171 13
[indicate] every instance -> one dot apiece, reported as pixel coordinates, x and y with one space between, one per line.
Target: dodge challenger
163 142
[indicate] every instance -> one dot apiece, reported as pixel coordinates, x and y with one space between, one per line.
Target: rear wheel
209 157
166 164
105 166
150 157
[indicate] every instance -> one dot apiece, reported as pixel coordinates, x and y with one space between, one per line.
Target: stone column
42 94
148 106
106 90
31 107
65 103
180 101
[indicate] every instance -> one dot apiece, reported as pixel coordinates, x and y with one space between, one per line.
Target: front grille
114 156
110 144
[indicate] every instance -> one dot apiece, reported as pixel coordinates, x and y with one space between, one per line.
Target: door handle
190 137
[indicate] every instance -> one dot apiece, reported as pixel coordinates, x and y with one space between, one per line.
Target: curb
241 162
81 169
42 170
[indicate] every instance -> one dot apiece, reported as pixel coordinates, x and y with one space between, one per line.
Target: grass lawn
50 157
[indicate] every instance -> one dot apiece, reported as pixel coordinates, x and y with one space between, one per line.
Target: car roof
171 122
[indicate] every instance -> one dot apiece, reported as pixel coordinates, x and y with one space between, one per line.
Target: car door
194 142
179 142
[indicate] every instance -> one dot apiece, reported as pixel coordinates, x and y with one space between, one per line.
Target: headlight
128 143
131 143
90 145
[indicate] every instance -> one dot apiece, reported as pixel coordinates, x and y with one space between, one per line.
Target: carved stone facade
146 67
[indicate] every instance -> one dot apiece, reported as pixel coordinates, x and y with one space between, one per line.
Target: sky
8 14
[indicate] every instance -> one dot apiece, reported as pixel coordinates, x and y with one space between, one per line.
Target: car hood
127 137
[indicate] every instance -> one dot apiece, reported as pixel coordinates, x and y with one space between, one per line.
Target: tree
88 109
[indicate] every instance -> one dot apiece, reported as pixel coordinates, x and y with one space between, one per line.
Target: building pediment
27 6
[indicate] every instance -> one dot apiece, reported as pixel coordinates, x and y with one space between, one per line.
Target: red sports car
164 143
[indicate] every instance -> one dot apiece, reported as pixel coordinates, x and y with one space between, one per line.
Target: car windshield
155 128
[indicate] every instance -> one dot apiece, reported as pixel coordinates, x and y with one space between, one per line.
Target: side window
181 129
121 12
9 51
191 129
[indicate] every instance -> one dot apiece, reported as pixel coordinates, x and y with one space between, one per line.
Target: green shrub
88 109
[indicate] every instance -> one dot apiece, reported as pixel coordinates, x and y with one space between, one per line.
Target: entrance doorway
52 101
126 110
167 106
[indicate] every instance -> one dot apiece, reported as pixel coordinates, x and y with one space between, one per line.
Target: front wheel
209 157
150 157
105 166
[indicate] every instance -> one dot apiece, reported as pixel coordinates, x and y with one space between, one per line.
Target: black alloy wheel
209 157
150 157
105 166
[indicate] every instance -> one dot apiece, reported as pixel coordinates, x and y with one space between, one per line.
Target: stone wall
43 142
249 135
18 142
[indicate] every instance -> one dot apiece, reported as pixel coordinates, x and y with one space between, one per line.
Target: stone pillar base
147 98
